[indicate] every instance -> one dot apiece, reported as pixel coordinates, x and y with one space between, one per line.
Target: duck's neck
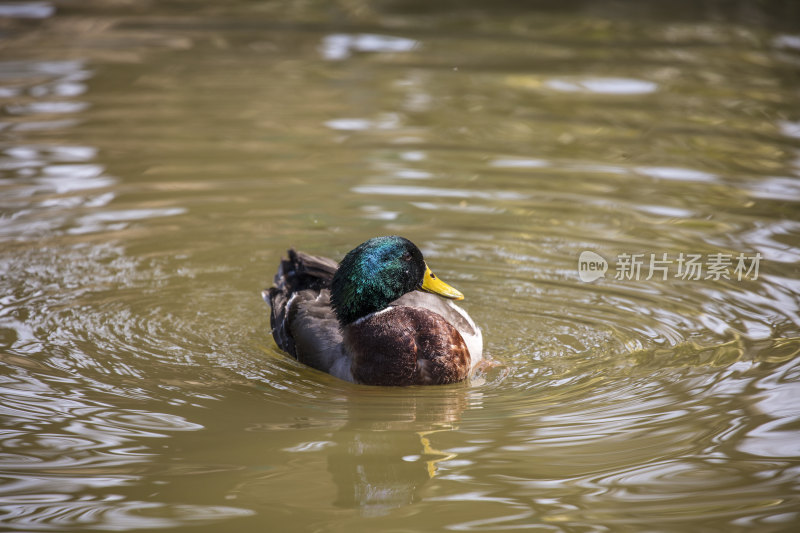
351 303
359 320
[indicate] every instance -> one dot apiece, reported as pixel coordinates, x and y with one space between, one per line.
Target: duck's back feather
302 321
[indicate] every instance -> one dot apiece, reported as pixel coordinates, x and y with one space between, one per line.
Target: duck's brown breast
406 346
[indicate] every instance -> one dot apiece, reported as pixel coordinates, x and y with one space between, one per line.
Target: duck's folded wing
315 330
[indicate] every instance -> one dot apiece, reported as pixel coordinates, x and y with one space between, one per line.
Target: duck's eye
407 256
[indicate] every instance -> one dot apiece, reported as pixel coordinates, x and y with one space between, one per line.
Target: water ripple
65 445
59 513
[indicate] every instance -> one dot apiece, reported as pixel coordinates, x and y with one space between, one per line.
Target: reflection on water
340 46
155 163
618 86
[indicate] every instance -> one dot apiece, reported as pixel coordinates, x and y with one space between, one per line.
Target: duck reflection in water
379 465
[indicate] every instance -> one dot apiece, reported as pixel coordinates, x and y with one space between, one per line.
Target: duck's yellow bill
430 283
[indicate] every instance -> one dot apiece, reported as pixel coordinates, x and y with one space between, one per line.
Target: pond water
158 158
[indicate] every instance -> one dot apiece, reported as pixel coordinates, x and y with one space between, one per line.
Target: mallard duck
377 318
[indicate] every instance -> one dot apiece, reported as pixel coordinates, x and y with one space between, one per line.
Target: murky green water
157 158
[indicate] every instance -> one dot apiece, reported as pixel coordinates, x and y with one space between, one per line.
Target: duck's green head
379 271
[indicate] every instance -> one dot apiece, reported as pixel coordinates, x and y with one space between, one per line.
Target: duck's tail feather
299 272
